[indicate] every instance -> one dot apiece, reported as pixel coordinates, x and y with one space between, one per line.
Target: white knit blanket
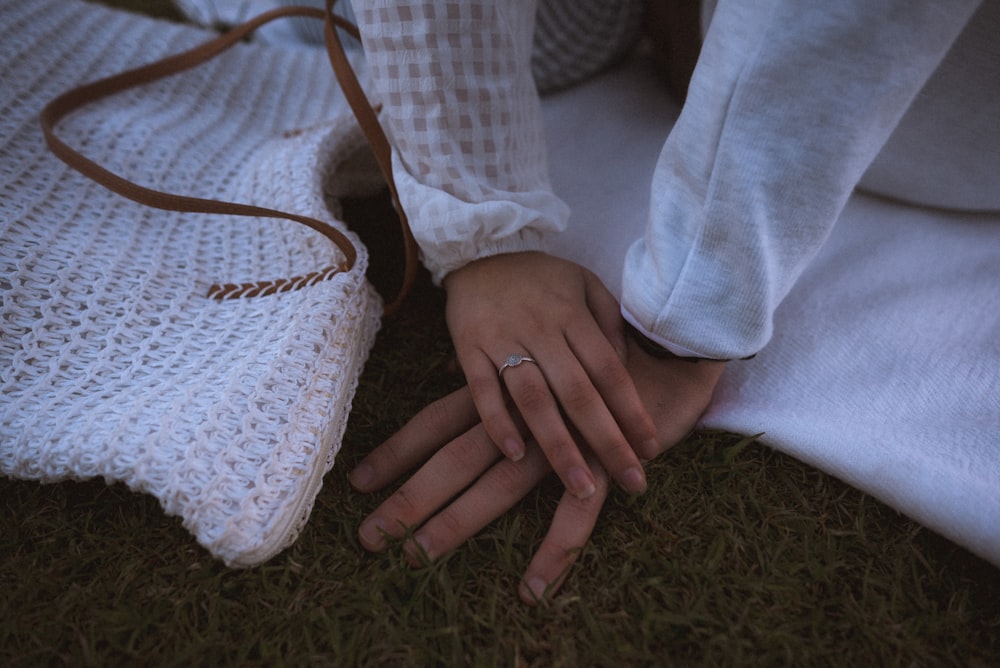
885 370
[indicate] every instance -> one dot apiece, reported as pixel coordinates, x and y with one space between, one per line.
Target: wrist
498 266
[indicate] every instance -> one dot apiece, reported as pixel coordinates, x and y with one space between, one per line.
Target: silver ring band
514 360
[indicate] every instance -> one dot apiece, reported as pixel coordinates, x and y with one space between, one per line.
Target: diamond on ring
514 360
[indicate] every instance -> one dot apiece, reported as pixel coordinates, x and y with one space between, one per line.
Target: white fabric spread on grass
885 365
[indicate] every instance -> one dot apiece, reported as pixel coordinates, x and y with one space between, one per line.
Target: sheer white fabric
463 114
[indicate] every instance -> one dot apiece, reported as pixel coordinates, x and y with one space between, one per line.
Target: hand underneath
562 317
459 455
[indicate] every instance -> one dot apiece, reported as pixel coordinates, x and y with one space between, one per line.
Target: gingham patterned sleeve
463 115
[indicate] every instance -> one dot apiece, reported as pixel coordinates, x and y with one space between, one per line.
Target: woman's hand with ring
510 308
462 483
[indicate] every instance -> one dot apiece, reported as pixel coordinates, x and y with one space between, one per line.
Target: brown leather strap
368 120
78 97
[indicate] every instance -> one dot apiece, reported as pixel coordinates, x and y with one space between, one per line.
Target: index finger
437 424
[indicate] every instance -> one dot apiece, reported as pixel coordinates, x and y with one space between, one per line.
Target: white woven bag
114 362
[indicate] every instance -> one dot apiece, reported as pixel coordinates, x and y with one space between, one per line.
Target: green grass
737 555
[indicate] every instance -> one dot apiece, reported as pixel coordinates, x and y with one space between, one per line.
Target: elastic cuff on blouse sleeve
525 242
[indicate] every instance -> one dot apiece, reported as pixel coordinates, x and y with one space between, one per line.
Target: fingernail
370 533
537 587
634 480
424 541
581 485
418 550
513 449
362 476
650 447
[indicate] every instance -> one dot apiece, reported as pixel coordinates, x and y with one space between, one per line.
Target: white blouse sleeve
462 112
789 104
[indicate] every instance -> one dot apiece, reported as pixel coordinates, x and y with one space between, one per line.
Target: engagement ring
514 360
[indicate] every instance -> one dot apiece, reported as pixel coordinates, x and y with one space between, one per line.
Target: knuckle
447 527
579 396
462 455
389 456
613 372
436 413
563 553
506 478
481 386
533 396
614 449
562 454
402 505
649 448
495 425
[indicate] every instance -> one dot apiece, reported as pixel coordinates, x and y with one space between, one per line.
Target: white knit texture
113 363
574 39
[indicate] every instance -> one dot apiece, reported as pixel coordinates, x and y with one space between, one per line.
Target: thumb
607 313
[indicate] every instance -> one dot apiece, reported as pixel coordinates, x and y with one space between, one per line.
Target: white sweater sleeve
463 115
789 104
